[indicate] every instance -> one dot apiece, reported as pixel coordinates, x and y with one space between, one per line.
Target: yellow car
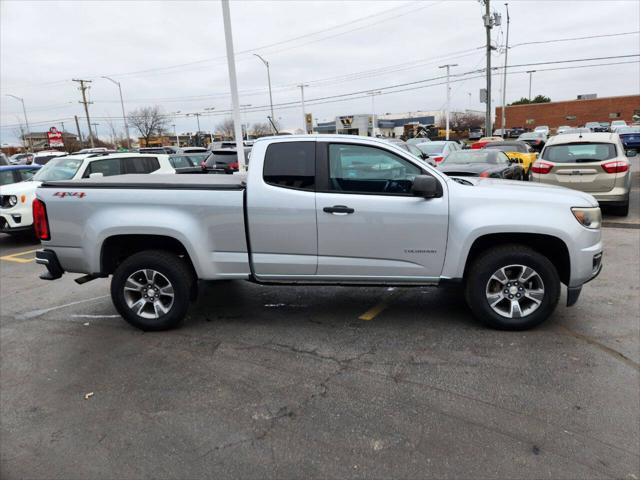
517 151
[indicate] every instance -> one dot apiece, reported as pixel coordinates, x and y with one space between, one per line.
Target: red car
483 142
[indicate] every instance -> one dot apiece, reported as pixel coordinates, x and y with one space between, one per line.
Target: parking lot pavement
338 382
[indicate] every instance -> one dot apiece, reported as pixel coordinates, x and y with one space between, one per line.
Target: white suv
16 198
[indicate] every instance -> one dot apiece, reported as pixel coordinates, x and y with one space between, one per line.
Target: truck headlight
13 200
589 217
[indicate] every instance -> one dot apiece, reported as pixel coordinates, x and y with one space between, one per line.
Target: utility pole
175 132
124 116
83 89
448 66
78 129
304 116
95 126
504 77
266 64
373 111
488 25
233 83
530 72
469 93
26 120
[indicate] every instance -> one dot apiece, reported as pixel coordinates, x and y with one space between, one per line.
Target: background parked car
3 159
596 127
475 133
417 140
517 151
17 173
483 141
224 160
535 140
616 124
42 158
515 132
21 159
591 162
563 128
437 151
481 163
630 137
542 129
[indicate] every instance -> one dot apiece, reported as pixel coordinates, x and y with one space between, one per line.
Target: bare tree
461 122
149 121
261 130
225 128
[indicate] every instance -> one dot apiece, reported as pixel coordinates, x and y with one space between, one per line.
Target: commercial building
571 112
387 124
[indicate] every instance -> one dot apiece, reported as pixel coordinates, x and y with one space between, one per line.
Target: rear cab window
291 165
579 152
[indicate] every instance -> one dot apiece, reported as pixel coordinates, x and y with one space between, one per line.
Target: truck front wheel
152 289
512 287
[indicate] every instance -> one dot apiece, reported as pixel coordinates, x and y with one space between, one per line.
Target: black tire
174 269
488 263
620 210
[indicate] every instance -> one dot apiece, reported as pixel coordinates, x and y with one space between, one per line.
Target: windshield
592 124
63 168
431 148
471 156
579 152
6 177
624 130
221 158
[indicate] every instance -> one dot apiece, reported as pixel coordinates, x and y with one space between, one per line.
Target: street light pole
488 24
95 129
266 64
304 116
175 132
504 77
26 120
448 66
233 83
124 116
530 72
373 111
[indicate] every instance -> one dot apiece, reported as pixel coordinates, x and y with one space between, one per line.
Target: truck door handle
338 210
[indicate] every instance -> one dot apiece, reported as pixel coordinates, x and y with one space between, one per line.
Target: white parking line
94 316
37 313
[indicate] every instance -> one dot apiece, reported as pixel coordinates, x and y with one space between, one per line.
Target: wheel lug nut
520 288
508 284
518 295
510 296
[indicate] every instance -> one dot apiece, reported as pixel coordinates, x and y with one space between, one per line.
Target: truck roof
158 181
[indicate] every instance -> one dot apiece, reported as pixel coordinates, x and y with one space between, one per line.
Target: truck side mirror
96 175
425 186
632 153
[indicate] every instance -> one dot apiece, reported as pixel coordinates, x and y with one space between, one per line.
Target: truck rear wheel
512 287
152 289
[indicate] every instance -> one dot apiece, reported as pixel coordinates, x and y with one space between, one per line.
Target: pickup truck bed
169 182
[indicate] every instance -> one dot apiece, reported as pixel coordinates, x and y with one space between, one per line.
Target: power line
462 77
539 42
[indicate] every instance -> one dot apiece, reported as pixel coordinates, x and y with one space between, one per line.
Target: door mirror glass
632 153
425 186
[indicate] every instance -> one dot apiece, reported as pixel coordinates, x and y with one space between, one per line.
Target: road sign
483 95
55 138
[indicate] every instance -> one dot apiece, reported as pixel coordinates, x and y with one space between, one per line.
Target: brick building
571 112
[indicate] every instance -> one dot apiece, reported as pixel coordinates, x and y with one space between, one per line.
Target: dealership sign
55 137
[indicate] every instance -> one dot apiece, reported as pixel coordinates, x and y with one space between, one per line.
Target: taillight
233 165
40 222
617 166
438 159
541 167
203 165
484 175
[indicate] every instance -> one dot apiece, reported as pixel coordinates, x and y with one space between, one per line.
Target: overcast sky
172 53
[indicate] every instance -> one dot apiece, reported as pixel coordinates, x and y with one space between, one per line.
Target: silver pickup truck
338 210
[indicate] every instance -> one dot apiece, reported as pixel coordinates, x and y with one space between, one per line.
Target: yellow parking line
373 312
15 257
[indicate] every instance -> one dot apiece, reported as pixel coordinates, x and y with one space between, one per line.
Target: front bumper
49 259
573 293
13 222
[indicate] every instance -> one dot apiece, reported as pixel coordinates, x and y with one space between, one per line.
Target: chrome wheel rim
515 291
148 293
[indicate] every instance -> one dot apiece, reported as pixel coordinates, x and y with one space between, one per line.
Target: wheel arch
554 248
117 248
